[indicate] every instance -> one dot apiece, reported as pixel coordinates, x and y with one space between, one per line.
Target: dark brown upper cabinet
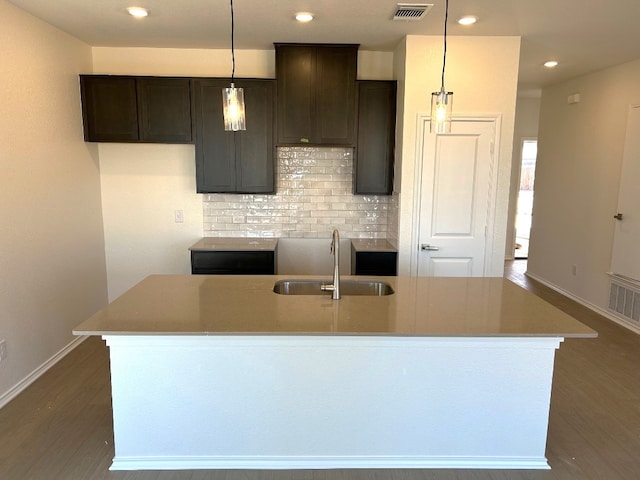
164 109
316 93
136 109
374 154
234 162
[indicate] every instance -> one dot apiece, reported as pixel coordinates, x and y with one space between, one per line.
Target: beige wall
580 150
183 62
526 127
482 72
142 187
52 266
216 63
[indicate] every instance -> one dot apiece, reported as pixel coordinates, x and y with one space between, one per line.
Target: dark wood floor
60 427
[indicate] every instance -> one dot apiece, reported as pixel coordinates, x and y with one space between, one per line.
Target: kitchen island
221 372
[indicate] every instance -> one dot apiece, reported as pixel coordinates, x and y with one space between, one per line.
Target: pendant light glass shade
233 108
441 108
442 101
232 97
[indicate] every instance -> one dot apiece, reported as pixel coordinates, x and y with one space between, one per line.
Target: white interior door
625 258
456 199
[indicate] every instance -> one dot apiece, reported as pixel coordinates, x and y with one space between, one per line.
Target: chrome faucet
334 288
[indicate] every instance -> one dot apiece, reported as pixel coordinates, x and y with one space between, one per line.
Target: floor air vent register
624 300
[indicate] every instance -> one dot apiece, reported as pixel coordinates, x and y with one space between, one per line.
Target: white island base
325 401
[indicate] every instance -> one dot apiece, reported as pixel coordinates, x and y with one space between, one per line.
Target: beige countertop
372 245
234 244
246 305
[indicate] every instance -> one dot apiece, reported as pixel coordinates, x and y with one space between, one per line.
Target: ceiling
582 35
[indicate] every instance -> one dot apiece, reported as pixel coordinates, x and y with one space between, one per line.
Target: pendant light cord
444 59
233 52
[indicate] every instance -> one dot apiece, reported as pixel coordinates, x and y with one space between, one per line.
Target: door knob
427 247
618 216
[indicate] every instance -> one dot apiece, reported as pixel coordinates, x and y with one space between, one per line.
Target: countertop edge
420 307
372 245
234 244
333 334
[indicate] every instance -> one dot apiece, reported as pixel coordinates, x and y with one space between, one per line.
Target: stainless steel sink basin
347 287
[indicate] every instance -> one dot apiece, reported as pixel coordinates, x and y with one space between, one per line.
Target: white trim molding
327 462
38 372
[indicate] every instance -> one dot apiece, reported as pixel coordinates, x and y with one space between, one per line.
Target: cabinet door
335 87
374 156
233 263
295 73
234 162
254 147
316 93
374 263
215 151
109 108
164 109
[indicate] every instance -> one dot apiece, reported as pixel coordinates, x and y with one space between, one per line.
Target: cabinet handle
618 216
427 247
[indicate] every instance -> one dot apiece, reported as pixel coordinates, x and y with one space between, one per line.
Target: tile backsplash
313 195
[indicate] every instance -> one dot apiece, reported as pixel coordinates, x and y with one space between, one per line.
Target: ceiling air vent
411 11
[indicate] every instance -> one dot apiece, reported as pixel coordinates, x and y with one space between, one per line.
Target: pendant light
232 97
442 101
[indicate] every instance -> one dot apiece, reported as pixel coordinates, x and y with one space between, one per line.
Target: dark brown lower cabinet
233 263
234 162
374 263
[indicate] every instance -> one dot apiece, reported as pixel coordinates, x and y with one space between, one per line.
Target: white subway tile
313 194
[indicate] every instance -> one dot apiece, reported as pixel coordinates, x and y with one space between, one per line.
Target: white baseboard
33 376
323 462
599 310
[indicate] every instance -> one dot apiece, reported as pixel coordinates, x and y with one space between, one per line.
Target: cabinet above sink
316 93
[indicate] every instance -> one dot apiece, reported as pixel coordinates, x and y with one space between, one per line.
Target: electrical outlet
574 270
178 216
3 350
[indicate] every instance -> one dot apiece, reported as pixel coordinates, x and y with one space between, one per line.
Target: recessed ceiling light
304 17
468 20
551 64
138 12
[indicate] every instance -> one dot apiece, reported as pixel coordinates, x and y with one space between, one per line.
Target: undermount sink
347 287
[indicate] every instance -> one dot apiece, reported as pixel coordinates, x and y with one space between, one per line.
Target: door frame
615 252
513 215
422 130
